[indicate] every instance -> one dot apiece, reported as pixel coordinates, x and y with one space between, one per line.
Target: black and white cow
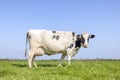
53 42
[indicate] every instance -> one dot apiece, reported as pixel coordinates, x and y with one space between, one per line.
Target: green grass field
48 70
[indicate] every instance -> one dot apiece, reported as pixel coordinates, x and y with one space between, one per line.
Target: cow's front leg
61 59
69 55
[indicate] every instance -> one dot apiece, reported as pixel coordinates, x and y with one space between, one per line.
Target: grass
48 70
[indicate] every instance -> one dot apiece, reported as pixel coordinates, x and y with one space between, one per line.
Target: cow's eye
88 39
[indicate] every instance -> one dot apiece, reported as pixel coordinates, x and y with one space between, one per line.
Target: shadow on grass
51 65
38 65
20 65
47 65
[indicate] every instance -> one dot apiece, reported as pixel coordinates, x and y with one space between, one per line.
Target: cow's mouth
85 47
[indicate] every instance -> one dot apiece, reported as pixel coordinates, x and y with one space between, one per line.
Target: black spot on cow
73 34
78 41
53 37
54 31
57 37
82 39
78 37
70 46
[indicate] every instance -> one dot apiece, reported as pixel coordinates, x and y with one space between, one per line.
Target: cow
52 42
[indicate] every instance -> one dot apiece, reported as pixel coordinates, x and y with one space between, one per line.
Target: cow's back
51 41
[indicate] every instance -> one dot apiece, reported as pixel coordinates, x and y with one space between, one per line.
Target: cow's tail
27 39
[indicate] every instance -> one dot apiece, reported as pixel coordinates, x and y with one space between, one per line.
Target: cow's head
83 39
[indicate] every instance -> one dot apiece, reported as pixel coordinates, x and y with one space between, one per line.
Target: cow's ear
91 36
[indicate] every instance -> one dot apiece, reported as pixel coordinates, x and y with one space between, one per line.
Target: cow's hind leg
37 52
34 62
30 58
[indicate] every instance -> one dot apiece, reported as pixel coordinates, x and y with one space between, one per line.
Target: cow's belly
51 53
54 49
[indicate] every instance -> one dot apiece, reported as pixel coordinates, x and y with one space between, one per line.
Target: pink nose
85 45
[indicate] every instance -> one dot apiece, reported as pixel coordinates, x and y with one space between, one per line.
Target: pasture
48 70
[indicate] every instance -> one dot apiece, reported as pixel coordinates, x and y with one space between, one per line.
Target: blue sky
99 17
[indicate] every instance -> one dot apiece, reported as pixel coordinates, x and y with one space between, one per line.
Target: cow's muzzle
85 45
